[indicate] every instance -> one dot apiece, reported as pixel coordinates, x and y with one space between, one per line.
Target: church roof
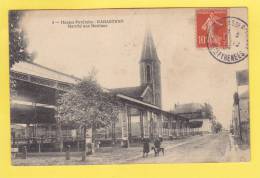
149 50
133 92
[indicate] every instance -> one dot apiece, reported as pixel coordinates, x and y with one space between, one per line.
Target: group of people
156 148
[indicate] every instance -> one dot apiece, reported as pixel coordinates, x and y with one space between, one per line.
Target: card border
196 170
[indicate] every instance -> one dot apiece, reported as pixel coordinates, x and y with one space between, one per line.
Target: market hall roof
38 70
133 94
29 68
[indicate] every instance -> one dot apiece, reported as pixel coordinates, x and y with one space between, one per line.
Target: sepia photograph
129 86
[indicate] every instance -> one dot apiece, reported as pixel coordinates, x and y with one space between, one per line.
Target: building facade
240 119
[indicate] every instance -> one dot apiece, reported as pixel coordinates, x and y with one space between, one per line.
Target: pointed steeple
150 69
149 50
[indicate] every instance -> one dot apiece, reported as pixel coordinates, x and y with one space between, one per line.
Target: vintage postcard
127 86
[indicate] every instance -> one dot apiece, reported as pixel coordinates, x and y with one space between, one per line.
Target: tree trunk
85 144
93 138
60 137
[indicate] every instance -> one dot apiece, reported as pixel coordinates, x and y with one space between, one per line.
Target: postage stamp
212 27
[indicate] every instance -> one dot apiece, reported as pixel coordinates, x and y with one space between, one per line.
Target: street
208 148
194 149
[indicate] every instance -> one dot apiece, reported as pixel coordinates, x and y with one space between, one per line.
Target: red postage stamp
212 28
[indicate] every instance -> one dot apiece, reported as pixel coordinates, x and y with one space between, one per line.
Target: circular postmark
236 41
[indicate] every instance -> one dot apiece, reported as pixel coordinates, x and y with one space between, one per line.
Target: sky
189 74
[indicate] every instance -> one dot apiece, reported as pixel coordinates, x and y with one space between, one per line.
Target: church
34 125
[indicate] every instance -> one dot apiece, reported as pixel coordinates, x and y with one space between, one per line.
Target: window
148 73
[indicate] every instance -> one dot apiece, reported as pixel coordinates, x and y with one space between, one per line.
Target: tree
17 40
208 110
86 105
17 44
216 126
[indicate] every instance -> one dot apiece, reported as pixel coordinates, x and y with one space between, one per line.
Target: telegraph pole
239 117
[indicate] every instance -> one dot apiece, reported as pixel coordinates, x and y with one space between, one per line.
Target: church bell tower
150 69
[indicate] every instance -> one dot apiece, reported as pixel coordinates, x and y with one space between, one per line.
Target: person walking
146 147
157 146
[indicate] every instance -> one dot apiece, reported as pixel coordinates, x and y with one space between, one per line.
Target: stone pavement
105 155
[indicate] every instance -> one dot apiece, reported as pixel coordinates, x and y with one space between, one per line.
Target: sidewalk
105 155
237 153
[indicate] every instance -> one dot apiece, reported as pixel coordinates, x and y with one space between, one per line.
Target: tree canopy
216 126
17 39
87 104
208 111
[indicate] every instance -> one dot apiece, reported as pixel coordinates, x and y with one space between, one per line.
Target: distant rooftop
44 72
187 108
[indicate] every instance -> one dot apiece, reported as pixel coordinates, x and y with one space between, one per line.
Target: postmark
237 46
